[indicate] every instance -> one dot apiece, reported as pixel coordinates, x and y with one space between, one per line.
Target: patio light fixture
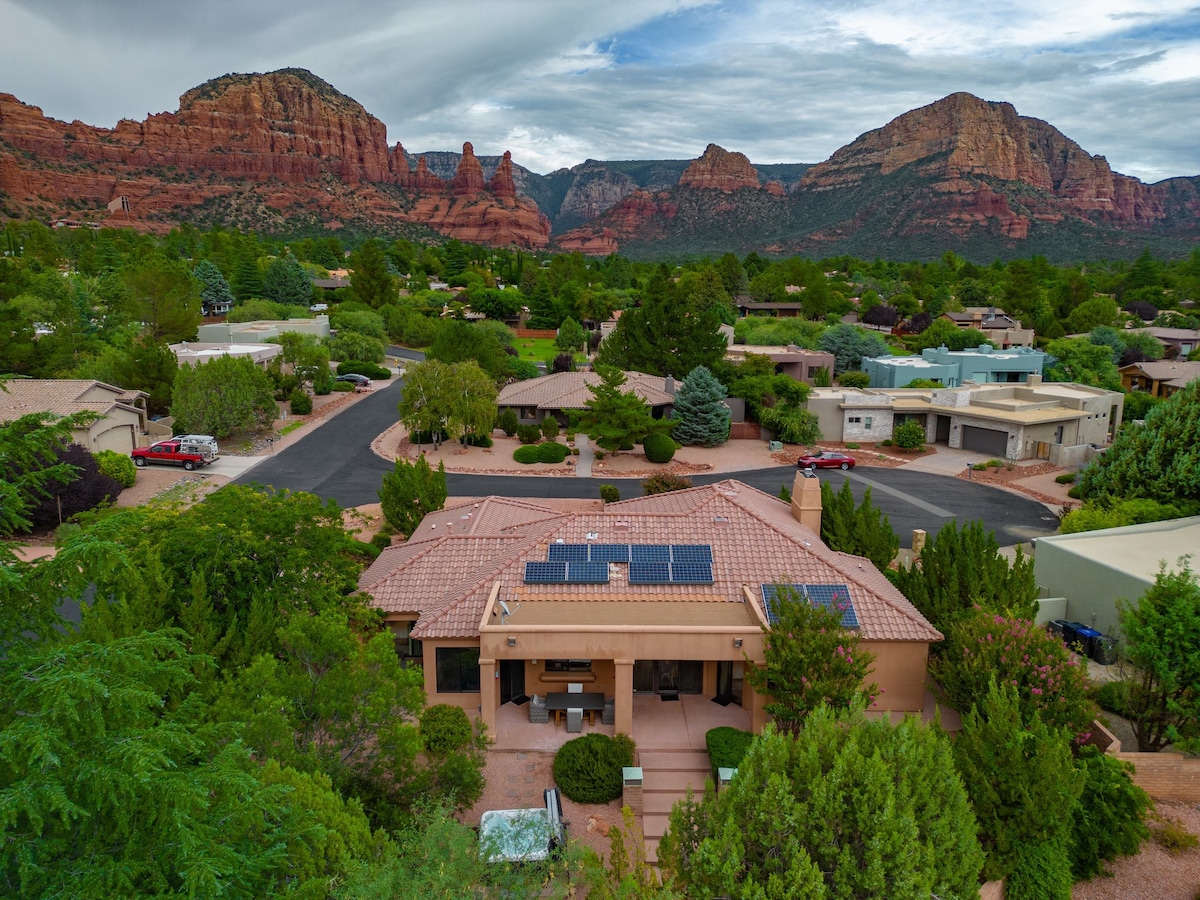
512 642
737 642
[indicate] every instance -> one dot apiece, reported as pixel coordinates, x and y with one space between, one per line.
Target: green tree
700 415
1159 460
1162 645
143 364
909 435
1109 819
1081 361
459 341
571 336
423 405
410 492
350 346
812 660
369 276
845 808
360 321
612 417
221 396
166 296
214 289
29 466
1023 786
110 786
1093 313
458 400
54 502
862 530
247 276
959 570
849 344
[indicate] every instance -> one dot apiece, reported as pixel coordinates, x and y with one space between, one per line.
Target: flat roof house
666 594
952 368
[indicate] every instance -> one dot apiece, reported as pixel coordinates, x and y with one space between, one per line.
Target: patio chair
575 719
608 716
537 710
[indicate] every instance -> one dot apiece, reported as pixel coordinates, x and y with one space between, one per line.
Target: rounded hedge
300 402
659 447
371 370
526 454
552 452
529 434
117 466
445 728
588 769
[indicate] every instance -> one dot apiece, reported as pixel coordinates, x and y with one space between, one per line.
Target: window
406 647
867 424
457 670
854 420
568 665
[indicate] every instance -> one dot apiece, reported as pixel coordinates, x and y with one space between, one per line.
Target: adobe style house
795 362
121 415
556 395
997 326
952 368
499 598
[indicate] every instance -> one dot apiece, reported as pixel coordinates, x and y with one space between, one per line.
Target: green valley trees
410 492
221 396
1162 645
844 808
700 414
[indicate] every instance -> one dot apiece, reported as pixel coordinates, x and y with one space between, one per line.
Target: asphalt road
336 462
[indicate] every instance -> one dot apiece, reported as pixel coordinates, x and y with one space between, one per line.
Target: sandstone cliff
287 145
719 170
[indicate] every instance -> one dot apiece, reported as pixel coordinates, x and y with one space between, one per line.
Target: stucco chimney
806 499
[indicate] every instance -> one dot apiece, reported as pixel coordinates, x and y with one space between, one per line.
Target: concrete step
652 850
673 759
674 780
662 802
654 825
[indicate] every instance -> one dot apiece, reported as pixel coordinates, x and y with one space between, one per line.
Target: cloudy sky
559 81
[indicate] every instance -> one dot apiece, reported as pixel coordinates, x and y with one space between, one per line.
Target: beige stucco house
558 394
120 414
499 598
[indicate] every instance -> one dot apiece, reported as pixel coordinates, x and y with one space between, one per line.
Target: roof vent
621 526
721 521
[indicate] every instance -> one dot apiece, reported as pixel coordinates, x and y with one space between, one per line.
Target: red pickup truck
176 453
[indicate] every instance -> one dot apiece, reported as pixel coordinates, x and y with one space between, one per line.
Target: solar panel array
648 564
831 596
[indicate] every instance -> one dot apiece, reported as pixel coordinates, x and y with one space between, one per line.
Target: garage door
118 439
985 440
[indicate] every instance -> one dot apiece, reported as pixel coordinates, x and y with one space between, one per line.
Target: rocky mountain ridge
285 151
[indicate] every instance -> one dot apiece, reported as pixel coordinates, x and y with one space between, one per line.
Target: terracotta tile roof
1174 371
571 390
754 540
61 397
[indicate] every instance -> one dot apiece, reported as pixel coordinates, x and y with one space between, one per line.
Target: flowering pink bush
1048 678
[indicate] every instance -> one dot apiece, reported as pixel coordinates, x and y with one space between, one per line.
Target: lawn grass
540 350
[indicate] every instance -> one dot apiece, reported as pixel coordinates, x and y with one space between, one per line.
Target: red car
826 459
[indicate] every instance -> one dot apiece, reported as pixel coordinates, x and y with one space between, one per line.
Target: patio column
623 695
487 694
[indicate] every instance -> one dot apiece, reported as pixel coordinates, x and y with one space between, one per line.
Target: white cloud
558 82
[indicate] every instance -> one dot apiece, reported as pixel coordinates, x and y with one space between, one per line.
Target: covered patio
657 724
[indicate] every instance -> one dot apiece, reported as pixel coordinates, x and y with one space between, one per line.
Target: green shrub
371 370
1042 872
549 428
1066 477
552 452
342 387
1173 837
381 540
1075 493
886 442
529 434
478 440
663 482
300 402
507 421
909 435
445 728
609 493
626 444
659 447
726 746
854 379
1113 696
287 384
851 445
1109 818
117 466
526 454
588 768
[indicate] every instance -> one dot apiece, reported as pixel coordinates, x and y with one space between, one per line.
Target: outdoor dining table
590 702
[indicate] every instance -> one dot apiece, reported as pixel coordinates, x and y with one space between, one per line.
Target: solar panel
609 553
639 553
692 572
587 572
650 572
837 595
537 572
568 553
691 553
